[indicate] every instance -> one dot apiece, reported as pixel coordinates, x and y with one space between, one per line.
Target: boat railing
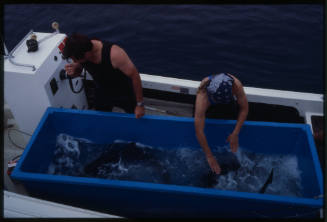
10 56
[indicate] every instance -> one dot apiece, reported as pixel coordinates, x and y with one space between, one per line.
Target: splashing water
245 171
255 171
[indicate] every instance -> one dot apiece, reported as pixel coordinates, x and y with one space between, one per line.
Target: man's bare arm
121 61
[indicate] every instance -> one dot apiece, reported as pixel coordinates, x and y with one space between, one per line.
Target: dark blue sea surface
267 46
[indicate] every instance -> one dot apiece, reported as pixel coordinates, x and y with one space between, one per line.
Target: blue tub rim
198 191
21 175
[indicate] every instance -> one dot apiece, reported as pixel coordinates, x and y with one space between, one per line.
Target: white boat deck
21 206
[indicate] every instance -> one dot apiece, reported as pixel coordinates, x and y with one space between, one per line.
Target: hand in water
214 164
139 111
233 142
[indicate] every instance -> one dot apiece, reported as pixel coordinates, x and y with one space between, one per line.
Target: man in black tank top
118 82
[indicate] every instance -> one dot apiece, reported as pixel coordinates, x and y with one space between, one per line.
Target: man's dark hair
76 46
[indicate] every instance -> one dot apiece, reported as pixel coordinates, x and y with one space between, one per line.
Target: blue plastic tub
140 199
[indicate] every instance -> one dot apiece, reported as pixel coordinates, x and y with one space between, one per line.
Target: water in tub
122 160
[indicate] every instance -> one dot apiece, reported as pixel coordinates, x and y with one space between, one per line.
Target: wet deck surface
13 139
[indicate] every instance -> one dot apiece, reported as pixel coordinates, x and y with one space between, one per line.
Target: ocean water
244 171
268 46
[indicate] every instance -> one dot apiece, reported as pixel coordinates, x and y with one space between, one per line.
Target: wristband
140 104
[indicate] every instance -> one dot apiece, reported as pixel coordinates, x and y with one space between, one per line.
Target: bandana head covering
219 89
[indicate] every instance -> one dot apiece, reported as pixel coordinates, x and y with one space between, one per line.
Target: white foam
69 145
254 173
143 145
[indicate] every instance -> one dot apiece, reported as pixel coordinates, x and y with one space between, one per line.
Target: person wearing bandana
216 90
